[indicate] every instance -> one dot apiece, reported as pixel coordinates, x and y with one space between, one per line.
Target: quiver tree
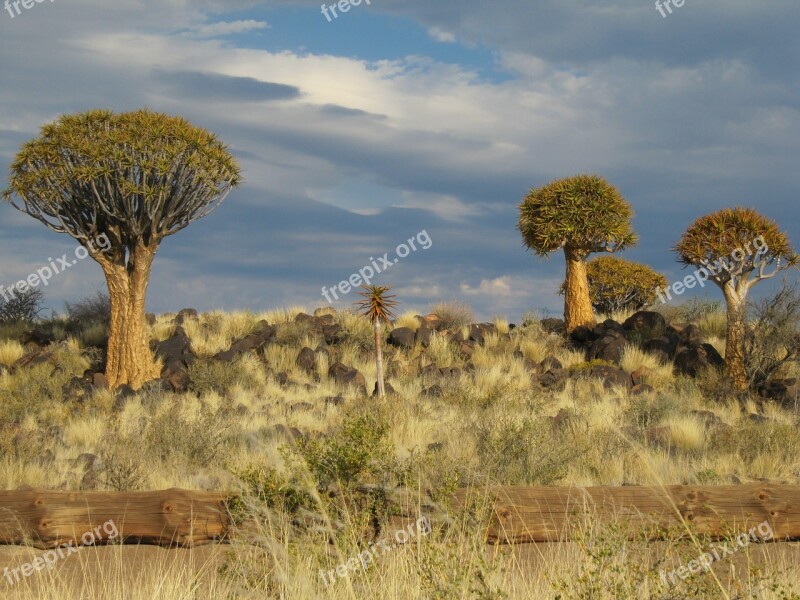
134 178
378 307
735 248
616 284
579 215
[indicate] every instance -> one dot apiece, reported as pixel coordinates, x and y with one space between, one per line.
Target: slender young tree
579 215
736 248
136 178
378 307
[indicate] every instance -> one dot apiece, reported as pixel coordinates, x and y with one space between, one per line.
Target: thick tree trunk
379 358
129 360
577 302
734 339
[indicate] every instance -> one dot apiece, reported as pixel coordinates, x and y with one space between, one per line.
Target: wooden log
546 514
173 517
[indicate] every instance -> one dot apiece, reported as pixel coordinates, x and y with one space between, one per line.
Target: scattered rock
611 376
434 391
185 314
642 388
301 407
332 334
552 325
344 375
402 337
36 340
337 400
694 358
648 324
785 392
307 360
387 387
423 335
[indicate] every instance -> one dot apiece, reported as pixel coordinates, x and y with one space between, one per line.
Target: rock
691 334
307 360
581 335
36 340
402 337
430 370
86 461
324 310
176 347
640 389
709 419
479 332
648 324
466 350
423 335
436 447
100 381
304 318
332 334
253 342
158 385
31 360
282 378
150 318
550 363
785 392
387 387
637 377
344 375
609 347
337 400
552 380
661 347
611 377
450 372
433 321
434 391
301 406
185 314
693 359
760 419
552 325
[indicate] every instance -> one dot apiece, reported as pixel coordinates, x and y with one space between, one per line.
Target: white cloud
440 35
227 28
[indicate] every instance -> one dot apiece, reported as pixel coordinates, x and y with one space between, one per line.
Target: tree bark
577 302
129 360
734 338
379 358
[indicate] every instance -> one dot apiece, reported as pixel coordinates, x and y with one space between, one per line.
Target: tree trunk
577 302
129 360
379 358
734 339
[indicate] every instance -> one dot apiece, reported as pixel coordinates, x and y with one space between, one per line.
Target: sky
414 119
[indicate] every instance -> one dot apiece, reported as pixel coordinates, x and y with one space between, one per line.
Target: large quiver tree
134 178
736 248
579 215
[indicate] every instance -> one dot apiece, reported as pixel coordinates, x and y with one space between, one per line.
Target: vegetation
377 307
21 307
580 215
134 178
737 248
619 285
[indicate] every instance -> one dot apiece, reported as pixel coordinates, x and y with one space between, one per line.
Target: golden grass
10 352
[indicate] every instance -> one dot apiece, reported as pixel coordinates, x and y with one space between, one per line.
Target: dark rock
608 347
344 375
301 406
785 392
332 334
176 347
121 396
552 380
185 314
436 447
402 337
430 370
178 381
661 347
648 324
694 358
337 400
434 391
150 318
100 381
478 332
36 340
581 335
709 419
423 335
433 321
642 388
552 325
282 378
304 318
760 419
253 342
307 360
611 376
550 363
31 360
466 350
450 372
387 387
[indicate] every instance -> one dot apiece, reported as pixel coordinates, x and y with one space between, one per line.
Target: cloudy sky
400 116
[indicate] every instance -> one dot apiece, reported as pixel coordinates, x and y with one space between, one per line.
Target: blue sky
410 115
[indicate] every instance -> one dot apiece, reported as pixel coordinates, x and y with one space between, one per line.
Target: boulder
611 376
647 323
662 348
306 360
552 325
332 334
387 387
423 335
785 392
608 347
344 375
36 340
434 391
185 314
693 359
402 337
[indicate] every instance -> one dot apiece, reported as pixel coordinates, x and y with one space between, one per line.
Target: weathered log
545 514
174 517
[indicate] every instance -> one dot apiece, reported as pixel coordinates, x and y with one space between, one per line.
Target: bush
454 315
210 375
90 310
20 307
773 334
616 284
